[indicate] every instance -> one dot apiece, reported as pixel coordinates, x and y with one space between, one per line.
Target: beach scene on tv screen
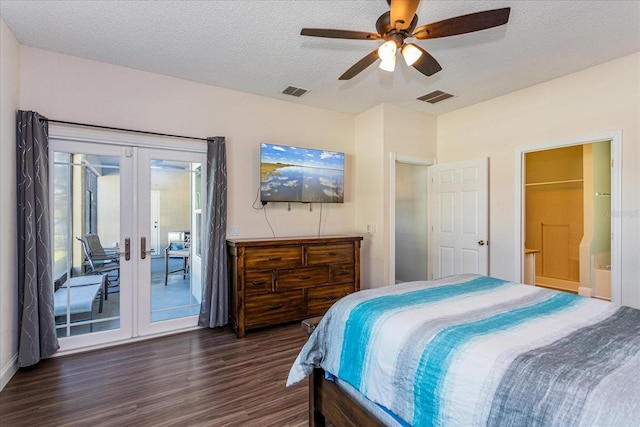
295 174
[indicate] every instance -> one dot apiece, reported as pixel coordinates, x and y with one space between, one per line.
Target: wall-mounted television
296 174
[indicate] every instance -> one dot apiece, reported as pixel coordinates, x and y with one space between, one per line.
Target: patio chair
102 265
100 253
179 247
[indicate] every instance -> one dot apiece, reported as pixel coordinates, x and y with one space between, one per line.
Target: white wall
597 100
9 102
69 88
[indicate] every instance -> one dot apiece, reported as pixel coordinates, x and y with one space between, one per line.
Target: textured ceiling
256 46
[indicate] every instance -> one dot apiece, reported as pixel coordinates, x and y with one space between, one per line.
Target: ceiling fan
398 24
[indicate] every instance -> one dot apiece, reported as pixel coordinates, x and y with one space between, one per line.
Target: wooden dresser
275 281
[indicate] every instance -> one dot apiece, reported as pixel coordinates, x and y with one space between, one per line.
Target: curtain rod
121 129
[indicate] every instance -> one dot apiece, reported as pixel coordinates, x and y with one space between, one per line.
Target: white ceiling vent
435 96
295 91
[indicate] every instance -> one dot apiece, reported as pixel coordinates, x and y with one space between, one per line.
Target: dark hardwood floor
200 378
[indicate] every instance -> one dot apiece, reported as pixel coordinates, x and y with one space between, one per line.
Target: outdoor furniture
180 247
77 294
101 266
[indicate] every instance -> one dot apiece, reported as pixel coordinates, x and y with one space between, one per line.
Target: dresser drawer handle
342 273
332 253
304 277
275 307
274 258
258 283
331 297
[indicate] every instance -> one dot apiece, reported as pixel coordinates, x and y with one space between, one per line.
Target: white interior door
459 200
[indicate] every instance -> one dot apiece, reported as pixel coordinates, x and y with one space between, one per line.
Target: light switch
234 231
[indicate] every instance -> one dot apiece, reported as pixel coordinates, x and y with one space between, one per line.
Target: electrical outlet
234 231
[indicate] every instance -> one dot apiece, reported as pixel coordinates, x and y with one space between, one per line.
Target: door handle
127 249
481 242
143 245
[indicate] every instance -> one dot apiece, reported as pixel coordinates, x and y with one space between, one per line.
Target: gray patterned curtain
214 310
37 333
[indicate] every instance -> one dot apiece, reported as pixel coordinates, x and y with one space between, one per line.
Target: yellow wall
554 211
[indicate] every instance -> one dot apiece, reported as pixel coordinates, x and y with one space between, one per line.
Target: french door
111 197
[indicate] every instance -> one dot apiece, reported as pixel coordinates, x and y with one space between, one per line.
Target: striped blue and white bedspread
473 350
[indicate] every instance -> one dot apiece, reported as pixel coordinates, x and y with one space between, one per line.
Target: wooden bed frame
329 404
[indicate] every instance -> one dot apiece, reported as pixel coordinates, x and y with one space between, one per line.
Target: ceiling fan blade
463 24
339 34
402 13
360 65
426 64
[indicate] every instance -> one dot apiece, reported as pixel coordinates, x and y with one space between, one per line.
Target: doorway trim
395 157
615 137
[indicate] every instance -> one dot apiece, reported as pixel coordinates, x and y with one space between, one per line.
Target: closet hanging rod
121 129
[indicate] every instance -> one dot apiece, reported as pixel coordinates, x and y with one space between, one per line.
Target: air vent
435 96
295 91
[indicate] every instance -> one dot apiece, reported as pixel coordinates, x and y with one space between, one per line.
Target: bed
472 350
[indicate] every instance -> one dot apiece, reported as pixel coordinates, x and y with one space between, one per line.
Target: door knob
481 242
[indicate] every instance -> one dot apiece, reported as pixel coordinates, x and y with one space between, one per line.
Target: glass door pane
87 262
172 204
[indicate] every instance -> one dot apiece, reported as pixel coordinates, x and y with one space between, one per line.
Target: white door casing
459 200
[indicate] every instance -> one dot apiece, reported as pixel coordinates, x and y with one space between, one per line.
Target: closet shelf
568 183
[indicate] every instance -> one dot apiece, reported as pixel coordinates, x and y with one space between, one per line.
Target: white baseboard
8 371
584 291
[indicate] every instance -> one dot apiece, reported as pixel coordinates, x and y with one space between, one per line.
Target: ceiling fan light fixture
388 64
411 54
387 50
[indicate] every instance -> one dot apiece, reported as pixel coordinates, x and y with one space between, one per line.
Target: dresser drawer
320 299
264 258
258 281
303 277
275 307
327 254
342 273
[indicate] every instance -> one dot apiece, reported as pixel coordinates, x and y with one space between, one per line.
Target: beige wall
9 87
383 130
600 99
9 102
369 180
69 88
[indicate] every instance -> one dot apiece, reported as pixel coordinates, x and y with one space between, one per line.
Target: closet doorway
569 233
